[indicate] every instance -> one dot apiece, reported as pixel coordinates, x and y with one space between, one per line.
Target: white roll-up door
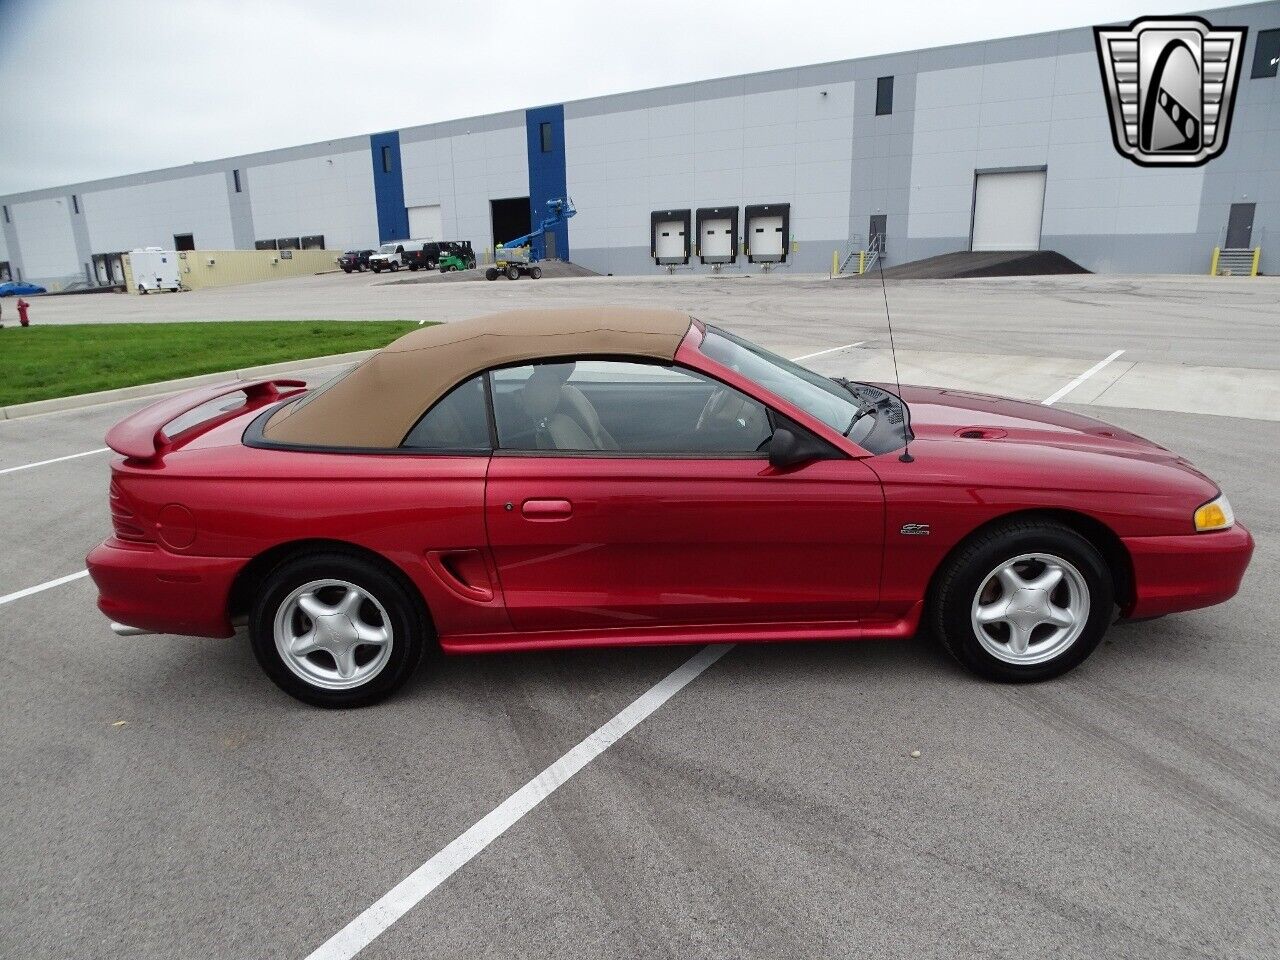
424 223
717 238
669 242
1007 210
766 237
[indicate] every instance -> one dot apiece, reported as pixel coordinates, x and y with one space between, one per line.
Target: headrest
541 392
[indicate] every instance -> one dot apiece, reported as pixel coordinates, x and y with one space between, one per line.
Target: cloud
94 90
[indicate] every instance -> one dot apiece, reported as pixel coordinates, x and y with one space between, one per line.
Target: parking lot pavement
1220 321
770 809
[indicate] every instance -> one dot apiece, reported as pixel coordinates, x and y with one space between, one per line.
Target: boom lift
512 258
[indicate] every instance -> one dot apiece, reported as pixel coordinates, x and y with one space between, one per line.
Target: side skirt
686 634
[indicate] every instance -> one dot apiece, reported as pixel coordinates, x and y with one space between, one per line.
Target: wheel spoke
1019 637
1060 616
368 633
313 606
1048 581
1010 580
346 661
304 643
993 612
349 605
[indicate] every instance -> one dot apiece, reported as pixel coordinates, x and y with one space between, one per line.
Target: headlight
1215 515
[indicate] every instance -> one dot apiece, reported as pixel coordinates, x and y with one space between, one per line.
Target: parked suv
355 260
389 256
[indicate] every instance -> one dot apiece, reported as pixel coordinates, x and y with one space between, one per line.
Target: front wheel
1025 601
491 273
346 269
535 273
513 273
377 269
395 267
336 630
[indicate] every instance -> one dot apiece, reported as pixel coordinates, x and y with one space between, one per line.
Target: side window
459 421
619 406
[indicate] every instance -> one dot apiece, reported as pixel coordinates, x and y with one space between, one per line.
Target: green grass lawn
37 362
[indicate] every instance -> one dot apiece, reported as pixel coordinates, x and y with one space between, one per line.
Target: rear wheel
513 273
336 630
491 273
1024 601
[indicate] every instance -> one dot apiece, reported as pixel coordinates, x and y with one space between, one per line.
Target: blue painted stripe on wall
546 174
388 187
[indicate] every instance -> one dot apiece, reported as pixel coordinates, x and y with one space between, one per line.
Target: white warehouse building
1004 144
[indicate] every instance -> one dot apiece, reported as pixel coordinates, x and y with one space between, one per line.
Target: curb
142 390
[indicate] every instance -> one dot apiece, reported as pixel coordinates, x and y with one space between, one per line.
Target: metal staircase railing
1235 261
858 257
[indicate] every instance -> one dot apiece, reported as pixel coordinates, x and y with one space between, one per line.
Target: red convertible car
588 477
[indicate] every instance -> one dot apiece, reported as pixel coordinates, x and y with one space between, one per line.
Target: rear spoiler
141 435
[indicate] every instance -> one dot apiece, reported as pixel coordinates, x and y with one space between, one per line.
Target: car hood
940 414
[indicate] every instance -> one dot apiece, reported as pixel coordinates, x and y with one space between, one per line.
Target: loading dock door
766 238
669 241
424 223
1007 210
717 240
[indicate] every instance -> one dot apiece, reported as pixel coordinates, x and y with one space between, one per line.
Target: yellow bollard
1257 258
862 262
1213 265
835 262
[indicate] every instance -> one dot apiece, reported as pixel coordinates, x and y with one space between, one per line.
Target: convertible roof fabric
377 403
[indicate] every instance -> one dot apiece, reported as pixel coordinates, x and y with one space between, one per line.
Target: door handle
547 509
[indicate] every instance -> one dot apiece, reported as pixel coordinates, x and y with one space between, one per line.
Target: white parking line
810 356
410 891
10 597
44 463
1059 394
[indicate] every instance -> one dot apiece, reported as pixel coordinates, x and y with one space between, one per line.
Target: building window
1266 54
386 159
235 179
545 130
75 203
884 96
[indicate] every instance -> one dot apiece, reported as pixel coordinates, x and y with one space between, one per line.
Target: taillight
122 518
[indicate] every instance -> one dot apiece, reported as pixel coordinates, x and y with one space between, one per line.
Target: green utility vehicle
452 261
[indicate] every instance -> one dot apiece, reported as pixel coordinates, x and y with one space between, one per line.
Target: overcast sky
93 89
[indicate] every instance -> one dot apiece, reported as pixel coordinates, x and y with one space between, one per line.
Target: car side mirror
787 448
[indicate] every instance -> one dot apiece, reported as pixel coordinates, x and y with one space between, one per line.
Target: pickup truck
389 256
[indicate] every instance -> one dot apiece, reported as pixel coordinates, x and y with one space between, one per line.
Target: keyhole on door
508 506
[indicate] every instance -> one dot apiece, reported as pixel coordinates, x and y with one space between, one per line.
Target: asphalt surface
162 799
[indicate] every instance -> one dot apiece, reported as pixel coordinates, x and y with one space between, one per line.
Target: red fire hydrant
23 307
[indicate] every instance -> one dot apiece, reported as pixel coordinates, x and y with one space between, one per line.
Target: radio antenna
893 351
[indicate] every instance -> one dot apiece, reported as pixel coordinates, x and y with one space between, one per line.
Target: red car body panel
514 551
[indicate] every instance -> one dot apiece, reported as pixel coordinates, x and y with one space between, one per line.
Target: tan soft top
377 403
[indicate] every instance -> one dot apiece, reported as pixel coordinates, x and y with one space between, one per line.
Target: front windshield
814 394
387 248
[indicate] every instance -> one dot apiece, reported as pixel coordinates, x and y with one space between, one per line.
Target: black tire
395 267
491 273
376 269
406 615
413 268
957 585
513 273
535 273
346 269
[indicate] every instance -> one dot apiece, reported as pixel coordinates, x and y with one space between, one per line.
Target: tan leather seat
563 417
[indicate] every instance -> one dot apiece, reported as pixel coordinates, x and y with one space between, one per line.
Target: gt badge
1170 84
915 530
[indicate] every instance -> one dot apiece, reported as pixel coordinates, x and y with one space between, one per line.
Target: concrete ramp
988 263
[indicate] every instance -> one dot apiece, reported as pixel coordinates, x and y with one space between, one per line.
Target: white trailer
155 269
